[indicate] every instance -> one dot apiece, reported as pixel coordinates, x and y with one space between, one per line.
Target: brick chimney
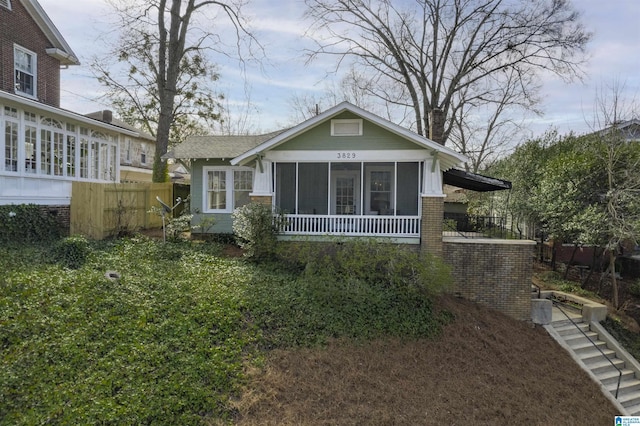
107 116
436 126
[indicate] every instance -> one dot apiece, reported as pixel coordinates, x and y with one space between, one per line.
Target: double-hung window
25 68
226 188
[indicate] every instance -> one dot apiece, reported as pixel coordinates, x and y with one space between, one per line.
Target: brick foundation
62 214
495 273
262 199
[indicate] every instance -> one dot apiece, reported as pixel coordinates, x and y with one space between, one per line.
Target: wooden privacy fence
100 210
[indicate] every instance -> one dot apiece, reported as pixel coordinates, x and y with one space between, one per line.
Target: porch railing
388 226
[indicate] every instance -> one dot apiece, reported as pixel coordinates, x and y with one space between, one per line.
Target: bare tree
354 87
451 55
619 219
162 52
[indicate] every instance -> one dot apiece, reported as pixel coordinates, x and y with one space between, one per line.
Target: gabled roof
229 146
60 49
106 116
448 157
629 129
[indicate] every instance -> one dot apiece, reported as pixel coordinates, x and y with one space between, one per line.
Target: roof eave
51 32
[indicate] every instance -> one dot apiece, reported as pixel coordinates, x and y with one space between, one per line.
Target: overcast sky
614 50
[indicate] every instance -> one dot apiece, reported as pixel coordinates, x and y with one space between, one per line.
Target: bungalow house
344 172
44 148
349 173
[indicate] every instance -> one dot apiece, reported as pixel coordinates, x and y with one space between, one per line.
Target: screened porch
349 198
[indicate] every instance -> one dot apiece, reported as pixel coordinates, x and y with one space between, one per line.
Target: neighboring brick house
43 148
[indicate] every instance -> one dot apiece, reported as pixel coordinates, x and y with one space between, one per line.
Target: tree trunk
614 281
583 284
554 252
573 255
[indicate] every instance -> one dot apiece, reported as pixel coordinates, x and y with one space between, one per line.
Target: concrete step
629 400
593 355
581 335
584 345
601 366
627 386
609 377
633 410
567 328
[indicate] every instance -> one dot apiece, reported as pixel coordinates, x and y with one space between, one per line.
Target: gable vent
352 127
6 4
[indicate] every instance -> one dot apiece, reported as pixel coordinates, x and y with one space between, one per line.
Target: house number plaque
346 155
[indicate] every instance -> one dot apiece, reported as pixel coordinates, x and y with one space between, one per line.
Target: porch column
432 209
262 183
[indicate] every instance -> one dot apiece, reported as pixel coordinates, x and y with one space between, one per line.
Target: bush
71 252
634 288
256 228
27 223
174 227
372 262
358 292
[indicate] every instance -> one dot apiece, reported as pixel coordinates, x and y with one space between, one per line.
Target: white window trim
391 168
229 190
346 121
6 4
34 56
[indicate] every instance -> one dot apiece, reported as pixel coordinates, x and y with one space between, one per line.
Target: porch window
25 71
226 188
348 188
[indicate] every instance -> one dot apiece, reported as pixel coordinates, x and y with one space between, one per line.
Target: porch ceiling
473 181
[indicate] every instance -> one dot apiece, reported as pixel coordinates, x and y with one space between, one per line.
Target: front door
345 192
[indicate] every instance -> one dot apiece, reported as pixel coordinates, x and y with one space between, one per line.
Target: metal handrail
556 304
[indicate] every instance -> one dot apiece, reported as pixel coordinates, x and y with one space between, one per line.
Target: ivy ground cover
153 333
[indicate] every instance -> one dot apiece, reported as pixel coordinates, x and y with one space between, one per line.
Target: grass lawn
150 333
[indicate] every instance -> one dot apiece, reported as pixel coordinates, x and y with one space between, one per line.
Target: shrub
371 261
174 227
256 227
634 288
71 252
27 223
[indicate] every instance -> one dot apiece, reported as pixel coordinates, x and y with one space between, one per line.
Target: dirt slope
485 369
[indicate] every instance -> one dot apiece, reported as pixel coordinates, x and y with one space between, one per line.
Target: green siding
373 137
222 221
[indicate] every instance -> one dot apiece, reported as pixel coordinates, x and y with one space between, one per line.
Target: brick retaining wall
62 214
496 273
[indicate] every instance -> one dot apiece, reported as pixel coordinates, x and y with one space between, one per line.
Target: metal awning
473 181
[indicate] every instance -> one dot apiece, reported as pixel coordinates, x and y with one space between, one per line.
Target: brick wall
431 225
262 199
62 214
17 26
495 273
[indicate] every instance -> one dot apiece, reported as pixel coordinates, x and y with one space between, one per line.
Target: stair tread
594 354
633 410
586 343
629 399
614 374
